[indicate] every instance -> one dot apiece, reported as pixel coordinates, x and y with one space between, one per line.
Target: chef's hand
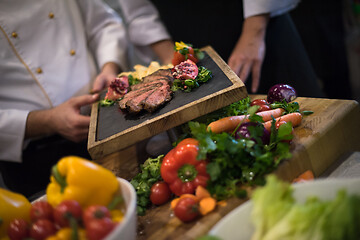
249 52
164 50
64 119
108 73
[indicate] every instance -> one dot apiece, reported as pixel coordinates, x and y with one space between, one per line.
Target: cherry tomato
65 209
95 212
177 58
99 228
192 58
187 209
259 102
160 193
42 229
263 108
41 210
18 229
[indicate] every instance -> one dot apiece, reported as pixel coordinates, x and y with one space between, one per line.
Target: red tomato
95 212
41 210
191 50
99 228
18 229
178 58
187 209
192 58
259 102
263 108
42 229
160 193
64 209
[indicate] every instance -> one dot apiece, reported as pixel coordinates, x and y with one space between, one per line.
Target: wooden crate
112 130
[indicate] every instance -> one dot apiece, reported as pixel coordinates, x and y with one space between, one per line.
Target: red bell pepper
181 170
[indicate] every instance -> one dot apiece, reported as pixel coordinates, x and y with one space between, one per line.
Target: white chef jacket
273 7
50 51
144 28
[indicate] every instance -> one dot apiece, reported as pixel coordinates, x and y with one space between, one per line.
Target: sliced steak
135 105
130 95
149 84
160 74
157 98
153 92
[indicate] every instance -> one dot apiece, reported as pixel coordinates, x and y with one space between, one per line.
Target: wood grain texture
157 123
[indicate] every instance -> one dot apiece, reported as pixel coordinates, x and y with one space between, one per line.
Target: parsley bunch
143 181
239 161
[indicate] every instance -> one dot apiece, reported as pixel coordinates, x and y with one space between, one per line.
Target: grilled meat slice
153 92
160 74
157 98
135 105
149 84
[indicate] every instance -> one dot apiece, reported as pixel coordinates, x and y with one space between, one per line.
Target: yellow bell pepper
117 215
67 234
12 205
79 179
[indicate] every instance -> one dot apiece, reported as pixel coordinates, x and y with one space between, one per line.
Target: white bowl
127 228
237 225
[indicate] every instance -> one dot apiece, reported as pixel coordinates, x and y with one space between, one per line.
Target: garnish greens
132 80
143 181
106 102
240 161
188 85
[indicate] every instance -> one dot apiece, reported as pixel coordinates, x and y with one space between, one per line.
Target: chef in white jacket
53 53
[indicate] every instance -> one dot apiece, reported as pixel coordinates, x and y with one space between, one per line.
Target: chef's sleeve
273 7
106 34
12 132
143 22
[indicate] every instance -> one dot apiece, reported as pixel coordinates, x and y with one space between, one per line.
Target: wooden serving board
333 130
112 129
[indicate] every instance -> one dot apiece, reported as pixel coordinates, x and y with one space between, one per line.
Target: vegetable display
223 153
82 202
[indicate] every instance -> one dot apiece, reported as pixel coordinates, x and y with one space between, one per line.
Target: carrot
267 115
188 195
308 175
173 203
222 203
207 205
294 118
228 124
201 192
